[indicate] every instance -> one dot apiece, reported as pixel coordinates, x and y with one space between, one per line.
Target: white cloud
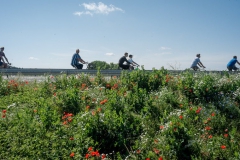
33 58
165 48
81 13
100 8
109 54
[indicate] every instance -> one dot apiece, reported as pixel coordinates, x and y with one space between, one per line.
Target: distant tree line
103 65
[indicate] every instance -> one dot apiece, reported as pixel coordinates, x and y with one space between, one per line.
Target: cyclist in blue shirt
76 59
231 65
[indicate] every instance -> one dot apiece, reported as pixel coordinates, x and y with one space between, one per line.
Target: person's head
2 48
77 51
130 56
198 55
235 57
125 54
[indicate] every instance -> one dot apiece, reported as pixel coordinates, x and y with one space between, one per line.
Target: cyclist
231 64
122 60
1 62
76 59
132 62
196 62
2 57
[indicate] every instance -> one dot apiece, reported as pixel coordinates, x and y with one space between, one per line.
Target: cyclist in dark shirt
122 60
2 55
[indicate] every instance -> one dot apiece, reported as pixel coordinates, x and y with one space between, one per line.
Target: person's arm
130 62
82 61
135 63
6 59
201 65
2 59
127 61
238 62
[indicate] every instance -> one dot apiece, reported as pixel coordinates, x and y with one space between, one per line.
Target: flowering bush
139 115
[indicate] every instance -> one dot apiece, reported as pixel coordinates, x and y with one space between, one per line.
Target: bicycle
198 69
9 66
90 65
132 67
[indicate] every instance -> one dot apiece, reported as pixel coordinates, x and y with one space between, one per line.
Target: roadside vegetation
139 115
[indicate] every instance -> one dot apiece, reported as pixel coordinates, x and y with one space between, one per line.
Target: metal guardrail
37 72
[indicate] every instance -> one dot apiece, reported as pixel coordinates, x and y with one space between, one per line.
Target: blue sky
46 33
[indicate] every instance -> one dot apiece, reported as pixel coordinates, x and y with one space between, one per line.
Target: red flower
198 110
161 127
160 158
147 158
156 150
88 107
223 147
207 128
210 136
71 138
226 135
181 117
103 156
95 154
103 101
3 116
67 115
138 151
72 154
115 86
90 149
65 122
87 155
4 111
213 114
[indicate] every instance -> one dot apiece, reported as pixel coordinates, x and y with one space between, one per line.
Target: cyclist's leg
1 65
5 65
229 68
195 68
125 66
234 68
79 66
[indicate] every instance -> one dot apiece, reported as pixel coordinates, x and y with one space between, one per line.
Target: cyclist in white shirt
196 62
132 62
